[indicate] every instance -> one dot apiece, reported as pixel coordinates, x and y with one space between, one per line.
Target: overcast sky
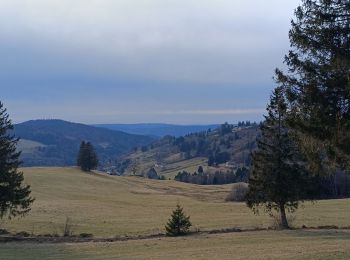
130 61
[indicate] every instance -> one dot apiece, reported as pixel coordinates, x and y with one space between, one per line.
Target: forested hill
56 142
158 130
223 149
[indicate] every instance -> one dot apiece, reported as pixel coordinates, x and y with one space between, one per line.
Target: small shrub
4 232
238 192
178 224
23 234
85 235
46 235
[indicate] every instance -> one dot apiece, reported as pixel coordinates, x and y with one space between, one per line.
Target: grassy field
300 244
108 206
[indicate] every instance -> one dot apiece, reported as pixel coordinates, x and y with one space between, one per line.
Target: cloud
187 41
200 55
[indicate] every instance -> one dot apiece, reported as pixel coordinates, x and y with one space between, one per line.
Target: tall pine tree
278 180
81 154
87 159
15 197
318 80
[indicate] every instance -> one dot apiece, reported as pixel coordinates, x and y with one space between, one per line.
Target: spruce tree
278 179
317 80
87 158
80 158
179 223
15 197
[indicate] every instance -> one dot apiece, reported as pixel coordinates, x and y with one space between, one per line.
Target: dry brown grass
107 206
301 244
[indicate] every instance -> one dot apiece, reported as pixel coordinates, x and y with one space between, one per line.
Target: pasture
109 206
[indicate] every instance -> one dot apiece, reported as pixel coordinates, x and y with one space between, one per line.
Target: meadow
297 244
109 206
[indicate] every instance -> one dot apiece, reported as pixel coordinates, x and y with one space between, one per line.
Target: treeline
246 123
335 186
216 178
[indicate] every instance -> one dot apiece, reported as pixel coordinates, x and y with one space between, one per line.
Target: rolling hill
127 205
223 149
158 130
56 142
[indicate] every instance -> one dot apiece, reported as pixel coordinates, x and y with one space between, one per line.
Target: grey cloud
205 57
190 41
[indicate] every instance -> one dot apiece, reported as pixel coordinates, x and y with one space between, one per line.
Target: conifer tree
15 197
278 180
87 158
200 170
317 81
179 223
80 158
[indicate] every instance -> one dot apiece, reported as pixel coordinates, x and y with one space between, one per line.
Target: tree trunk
284 221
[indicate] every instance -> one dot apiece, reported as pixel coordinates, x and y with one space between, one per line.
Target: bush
238 192
86 235
23 234
4 232
178 224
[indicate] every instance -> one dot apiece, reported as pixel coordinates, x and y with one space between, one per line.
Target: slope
56 142
223 149
107 206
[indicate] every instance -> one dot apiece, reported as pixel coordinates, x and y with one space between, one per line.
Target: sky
141 61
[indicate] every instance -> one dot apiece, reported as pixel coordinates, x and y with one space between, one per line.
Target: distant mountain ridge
56 142
158 129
